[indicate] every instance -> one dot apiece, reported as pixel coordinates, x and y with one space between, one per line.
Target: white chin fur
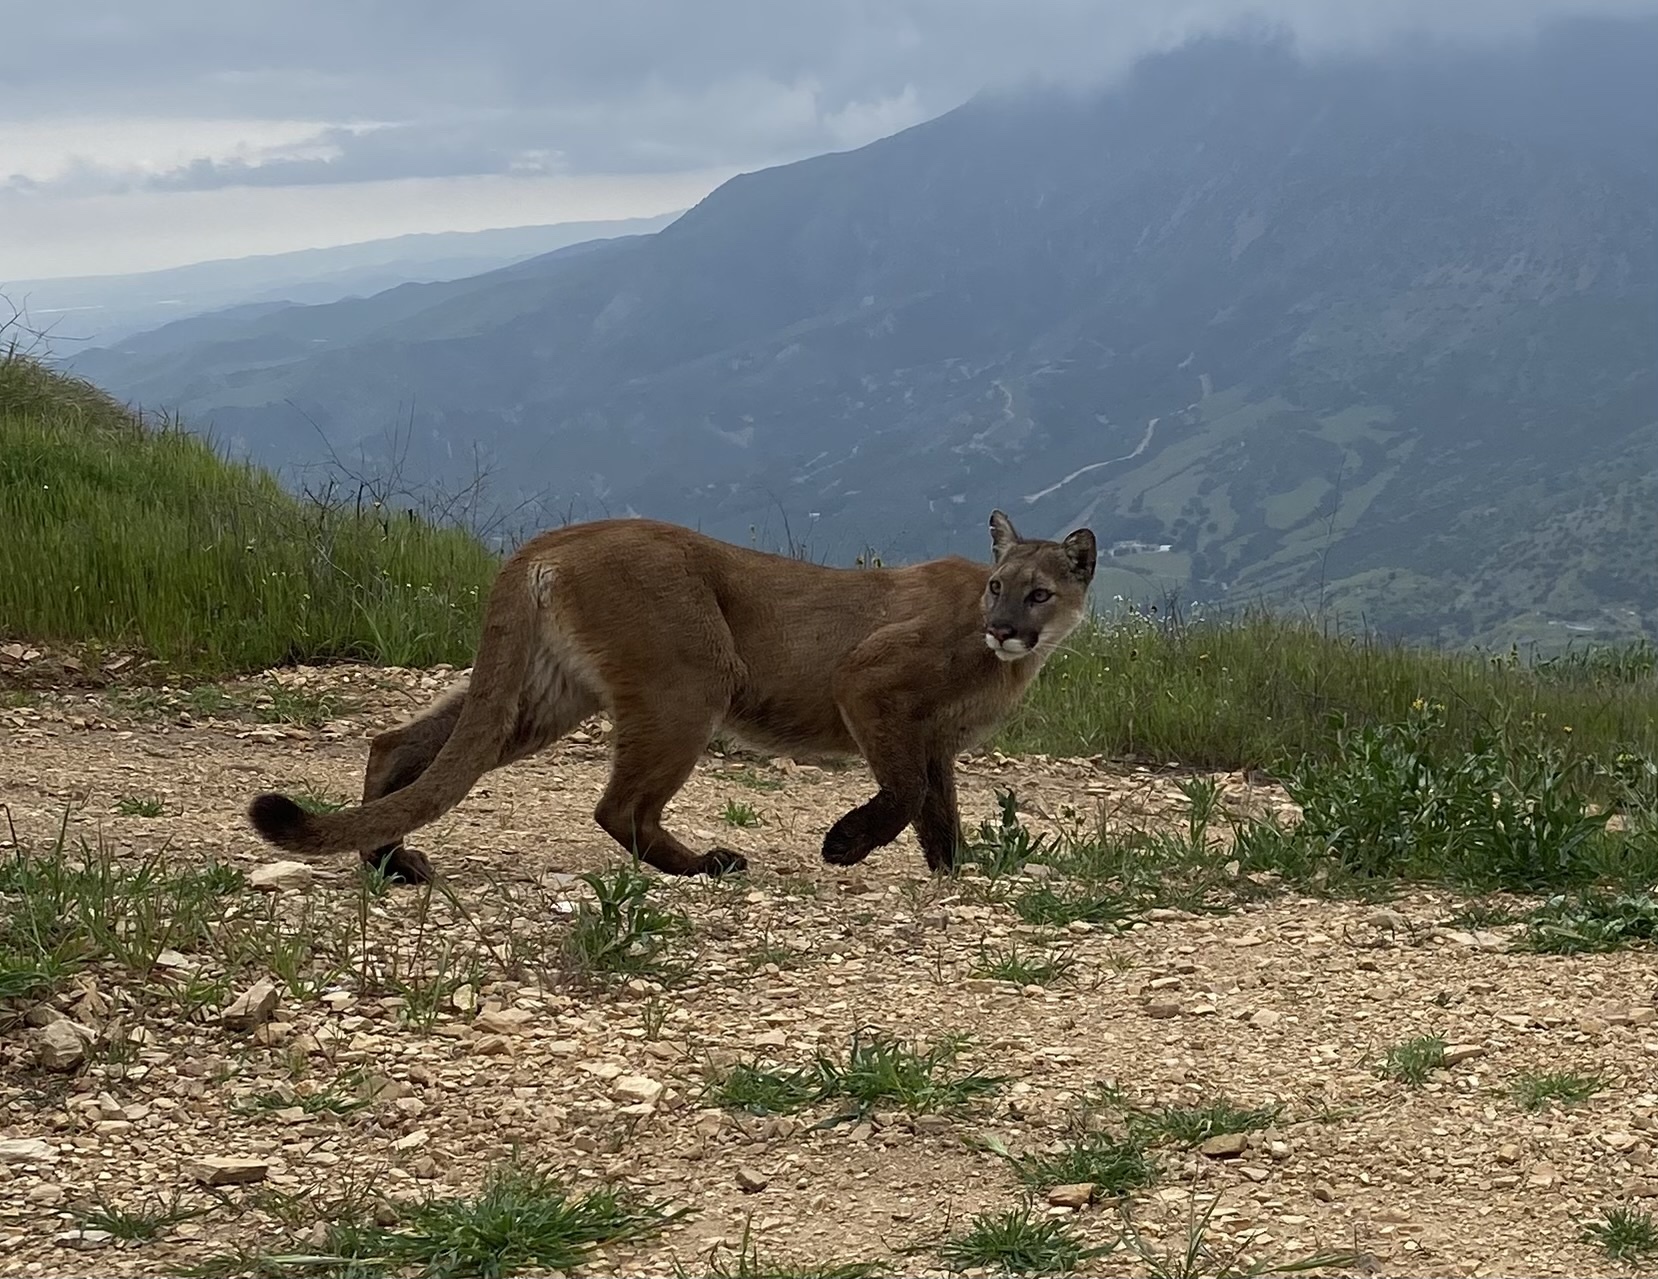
1007 650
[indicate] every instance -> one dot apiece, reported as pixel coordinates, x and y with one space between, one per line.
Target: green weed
1018 1241
1624 1234
1533 1092
1411 1062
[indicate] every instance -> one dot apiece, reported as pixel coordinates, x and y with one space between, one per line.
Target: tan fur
676 636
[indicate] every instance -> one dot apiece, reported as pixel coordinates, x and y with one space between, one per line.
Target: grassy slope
122 535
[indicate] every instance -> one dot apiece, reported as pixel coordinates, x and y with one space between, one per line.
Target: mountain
1372 334
107 308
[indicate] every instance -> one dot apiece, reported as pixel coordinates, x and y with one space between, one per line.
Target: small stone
1393 1216
1162 1009
26 1150
1266 1018
1226 1145
750 1181
414 1141
1458 1053
226 1170
85 1240
46 1194
464 998
863 1131
1508 1153
1076 1195
63 1044
1391 920
503 1021
277 876
1255 1173
640 1088
1542 1176
253 1007
932 1123
1324 1192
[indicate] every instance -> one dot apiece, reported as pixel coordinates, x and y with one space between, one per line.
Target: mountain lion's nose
1001 634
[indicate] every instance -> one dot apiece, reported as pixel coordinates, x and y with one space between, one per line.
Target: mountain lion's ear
1003 536
1079 549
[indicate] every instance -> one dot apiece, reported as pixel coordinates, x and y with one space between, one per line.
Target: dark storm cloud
612 85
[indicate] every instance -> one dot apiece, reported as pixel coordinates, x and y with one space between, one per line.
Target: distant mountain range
107 308
1377 336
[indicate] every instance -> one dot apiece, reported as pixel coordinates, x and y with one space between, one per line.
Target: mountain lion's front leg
897 756
939 825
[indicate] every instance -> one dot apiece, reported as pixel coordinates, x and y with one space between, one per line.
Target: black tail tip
276 817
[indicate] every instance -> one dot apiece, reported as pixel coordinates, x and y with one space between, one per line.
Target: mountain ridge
1299 322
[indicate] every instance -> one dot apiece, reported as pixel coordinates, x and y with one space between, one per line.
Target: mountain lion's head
1038 590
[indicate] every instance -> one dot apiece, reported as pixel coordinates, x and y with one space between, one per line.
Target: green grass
1193 1125
1008 963
138 1222
1113 1165
1591 922
739 814
622 933
519 1222
1533 1092
1624 1234
1018 1241
63 908
342 1096
1251 689
877 1070
1411 1061
157 542
140 806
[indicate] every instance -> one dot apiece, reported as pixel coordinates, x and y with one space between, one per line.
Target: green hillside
122 534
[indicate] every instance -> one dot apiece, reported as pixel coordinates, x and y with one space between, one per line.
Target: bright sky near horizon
141 136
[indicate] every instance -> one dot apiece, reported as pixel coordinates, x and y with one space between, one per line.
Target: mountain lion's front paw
847 843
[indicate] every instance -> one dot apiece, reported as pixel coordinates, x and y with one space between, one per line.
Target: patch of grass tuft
519 1221
1018 1241
1115 1166
1591 922
1533 1092
1003 847
876 1069
1411 1061
138 1222
739 814
1192 1125
623 933
745 1261
140 806
1008 963
1624 1234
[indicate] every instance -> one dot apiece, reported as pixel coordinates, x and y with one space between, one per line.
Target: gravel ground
1289 1001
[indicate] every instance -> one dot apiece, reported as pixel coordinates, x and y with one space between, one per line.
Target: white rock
226 1170
253 1007
26 1150
63 1045
276 876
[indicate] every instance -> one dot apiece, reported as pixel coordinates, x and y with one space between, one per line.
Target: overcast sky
136 135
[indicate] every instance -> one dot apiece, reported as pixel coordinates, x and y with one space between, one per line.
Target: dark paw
401 865
723 861
845 844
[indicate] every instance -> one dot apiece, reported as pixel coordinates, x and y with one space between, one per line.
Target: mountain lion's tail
491 709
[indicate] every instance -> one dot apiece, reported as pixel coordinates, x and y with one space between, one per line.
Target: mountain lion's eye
995 587
1039 596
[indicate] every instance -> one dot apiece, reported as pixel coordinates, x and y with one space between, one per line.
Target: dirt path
1292 1001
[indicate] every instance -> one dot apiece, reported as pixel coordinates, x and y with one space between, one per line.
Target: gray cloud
612 86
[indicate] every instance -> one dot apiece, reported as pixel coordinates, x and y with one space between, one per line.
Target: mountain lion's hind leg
655 752
396 758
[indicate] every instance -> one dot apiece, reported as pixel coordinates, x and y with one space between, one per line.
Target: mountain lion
674 636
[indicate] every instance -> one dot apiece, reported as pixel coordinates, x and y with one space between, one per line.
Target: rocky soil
452 1033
